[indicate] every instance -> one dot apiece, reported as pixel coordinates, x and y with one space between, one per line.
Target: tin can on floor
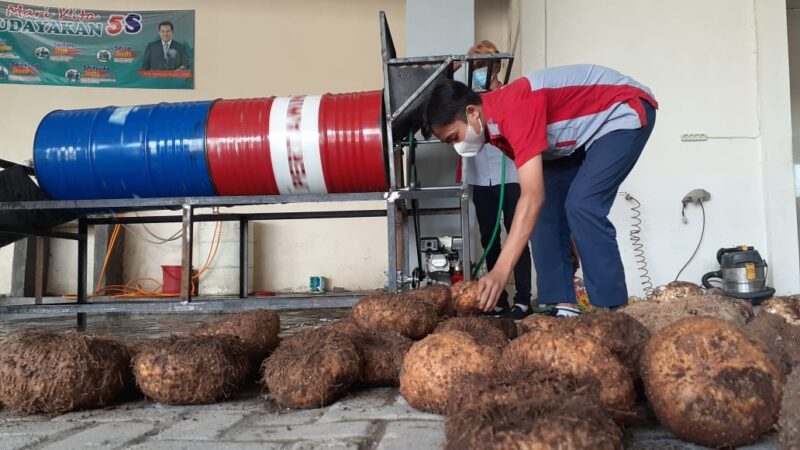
316 285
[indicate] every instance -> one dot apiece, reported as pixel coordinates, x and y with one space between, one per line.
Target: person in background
165 53
484 173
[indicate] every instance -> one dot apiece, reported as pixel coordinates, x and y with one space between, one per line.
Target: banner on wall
83 47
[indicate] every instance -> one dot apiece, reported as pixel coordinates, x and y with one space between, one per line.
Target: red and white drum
293 145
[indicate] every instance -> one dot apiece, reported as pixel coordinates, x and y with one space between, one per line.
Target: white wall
705 62
438 28
499 21
776 143
793 25
305 47
442 27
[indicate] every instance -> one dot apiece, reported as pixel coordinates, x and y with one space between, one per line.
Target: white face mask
472 143
479 78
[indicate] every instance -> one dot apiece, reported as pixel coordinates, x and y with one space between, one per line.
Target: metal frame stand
407 84
187 302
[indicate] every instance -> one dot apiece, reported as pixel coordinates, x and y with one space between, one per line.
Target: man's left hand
490 286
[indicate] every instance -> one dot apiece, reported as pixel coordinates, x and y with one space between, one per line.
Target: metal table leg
391 268
466 236
40 271
244 257
187 233
83 263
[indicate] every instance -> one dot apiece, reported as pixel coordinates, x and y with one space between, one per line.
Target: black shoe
498 311
565 311
519 312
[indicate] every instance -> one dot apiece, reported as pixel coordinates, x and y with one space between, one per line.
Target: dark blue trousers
579 192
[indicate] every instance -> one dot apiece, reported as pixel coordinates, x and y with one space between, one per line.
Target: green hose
497 221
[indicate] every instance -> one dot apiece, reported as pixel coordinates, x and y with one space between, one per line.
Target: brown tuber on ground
715 291
656 315
43 372
619 332
397 312
781 339
789 422
574 356
435 364
623 335
310 369
136 346
187 370
257 331
710 384
786 307
507 326
345 325
502 389
381 352
436 294
570 422
479 328
465 298
675 290
744 307
537 322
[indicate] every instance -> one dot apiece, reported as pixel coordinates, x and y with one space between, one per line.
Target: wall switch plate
694 137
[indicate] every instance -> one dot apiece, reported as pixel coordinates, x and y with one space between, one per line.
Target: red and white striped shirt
558 110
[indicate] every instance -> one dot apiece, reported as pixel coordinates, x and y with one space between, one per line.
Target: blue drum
124 152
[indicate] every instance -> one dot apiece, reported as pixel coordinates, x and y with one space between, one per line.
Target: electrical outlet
694 137
696 195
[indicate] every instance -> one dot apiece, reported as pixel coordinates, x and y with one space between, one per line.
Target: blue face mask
479 78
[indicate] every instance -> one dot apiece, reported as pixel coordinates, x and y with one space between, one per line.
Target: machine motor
442 256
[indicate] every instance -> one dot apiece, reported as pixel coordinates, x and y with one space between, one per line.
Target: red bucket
171 279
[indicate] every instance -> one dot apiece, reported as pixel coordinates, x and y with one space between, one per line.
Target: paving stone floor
370 419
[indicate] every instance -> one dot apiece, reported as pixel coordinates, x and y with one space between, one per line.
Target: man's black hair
448 102
166 23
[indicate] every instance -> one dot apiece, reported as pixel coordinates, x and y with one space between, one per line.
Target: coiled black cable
638 245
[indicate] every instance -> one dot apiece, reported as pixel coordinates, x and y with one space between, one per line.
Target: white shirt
485 169
165 47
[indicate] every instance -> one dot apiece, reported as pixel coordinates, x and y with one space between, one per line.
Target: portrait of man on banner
165 53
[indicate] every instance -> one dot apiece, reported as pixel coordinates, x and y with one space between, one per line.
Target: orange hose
212 250
110 249
131 290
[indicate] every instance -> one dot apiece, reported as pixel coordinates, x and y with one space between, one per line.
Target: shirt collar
487 103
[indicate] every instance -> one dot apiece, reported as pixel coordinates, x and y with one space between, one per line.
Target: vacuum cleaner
743 274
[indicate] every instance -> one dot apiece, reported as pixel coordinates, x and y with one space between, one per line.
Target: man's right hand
490 287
